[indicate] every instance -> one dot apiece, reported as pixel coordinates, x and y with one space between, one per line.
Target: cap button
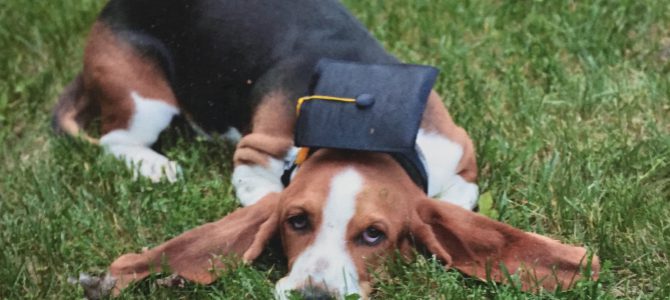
365 100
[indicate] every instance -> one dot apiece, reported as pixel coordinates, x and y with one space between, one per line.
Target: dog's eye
372 236
299 222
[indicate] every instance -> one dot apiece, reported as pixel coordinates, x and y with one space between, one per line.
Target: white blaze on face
327 262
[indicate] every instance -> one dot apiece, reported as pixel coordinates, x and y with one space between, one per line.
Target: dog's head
341 215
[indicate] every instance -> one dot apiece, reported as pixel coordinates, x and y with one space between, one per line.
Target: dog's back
214 61
213 52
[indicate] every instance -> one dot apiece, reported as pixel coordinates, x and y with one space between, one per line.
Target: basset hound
237 68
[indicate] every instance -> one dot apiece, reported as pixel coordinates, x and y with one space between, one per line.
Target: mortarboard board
367 107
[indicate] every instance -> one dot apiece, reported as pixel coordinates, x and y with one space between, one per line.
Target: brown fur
275 115
436 118
73 111
195 254
112 71
272 132
475 244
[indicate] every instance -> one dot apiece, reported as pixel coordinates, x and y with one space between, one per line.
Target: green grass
567 102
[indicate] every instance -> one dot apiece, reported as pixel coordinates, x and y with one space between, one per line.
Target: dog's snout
316 293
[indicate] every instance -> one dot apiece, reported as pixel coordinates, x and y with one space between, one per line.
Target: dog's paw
173 280
94 287
147 163
253 182
156 169
460 192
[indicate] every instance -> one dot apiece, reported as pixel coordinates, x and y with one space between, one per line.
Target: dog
236 68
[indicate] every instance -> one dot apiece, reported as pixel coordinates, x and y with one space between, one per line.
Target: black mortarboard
369 107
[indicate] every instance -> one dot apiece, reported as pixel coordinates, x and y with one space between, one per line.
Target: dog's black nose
316 293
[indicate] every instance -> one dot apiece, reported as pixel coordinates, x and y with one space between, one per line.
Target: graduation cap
367 107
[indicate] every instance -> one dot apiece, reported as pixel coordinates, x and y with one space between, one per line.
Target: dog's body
221 58
233 66
237 67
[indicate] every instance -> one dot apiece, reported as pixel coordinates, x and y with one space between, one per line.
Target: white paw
253 182
146 162
460 192
94 287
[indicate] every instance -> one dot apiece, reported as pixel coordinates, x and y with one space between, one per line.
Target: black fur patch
222 56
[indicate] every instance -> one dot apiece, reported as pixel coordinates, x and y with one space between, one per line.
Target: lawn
567 102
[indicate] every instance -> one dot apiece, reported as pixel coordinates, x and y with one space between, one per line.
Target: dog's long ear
196 253
479 247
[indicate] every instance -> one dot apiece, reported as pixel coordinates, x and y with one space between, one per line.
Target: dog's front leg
135 101
260 156
449 155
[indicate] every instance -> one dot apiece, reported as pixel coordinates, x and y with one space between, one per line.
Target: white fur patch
253 182
441 157
327 261
289 161
146 162
151 116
